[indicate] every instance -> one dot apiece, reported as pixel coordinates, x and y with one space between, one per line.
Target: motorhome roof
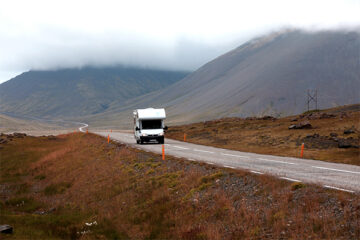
151 113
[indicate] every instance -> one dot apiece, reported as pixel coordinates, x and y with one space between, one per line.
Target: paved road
343 177
81 129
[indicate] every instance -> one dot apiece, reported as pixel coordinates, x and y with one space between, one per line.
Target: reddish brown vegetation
133 194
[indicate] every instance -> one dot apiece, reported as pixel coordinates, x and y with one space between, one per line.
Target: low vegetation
329 135
77 186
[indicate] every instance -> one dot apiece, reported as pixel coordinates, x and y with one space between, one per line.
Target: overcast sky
164 34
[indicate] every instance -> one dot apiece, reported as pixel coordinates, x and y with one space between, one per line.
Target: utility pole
312 97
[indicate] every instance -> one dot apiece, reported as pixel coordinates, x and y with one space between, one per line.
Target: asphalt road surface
342 177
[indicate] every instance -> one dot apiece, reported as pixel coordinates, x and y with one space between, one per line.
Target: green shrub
297 185
40 177
57 188
211 177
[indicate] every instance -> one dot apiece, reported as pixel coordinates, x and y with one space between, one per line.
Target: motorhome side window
151 124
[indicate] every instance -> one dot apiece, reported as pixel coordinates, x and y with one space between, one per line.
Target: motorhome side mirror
166 128
137 129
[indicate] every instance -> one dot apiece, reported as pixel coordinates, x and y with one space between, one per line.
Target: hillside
35 126
11 124
269 75
333 134
77 186
78 92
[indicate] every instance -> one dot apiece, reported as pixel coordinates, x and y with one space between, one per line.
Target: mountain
269 75
77 92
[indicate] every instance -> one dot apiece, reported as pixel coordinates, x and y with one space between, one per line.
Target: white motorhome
149 125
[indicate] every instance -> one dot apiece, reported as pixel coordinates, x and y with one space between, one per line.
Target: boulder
334 135
343 143
7 229
302 125
315 135
349 131
327 115
268 118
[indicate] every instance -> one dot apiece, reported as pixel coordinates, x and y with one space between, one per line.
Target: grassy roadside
334 135
54 187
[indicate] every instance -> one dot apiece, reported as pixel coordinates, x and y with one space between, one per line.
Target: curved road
81 129
342 177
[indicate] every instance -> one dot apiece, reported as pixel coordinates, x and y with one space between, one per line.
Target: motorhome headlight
161 134
144 134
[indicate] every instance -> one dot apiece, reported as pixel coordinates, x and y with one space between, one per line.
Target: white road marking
264 159
334 169
341 189
256 172
232 155
180 147
290 179
210 163
198 150
227 166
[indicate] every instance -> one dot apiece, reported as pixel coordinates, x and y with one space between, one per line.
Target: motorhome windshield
151 124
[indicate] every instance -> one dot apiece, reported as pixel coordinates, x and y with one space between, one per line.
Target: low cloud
178 35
